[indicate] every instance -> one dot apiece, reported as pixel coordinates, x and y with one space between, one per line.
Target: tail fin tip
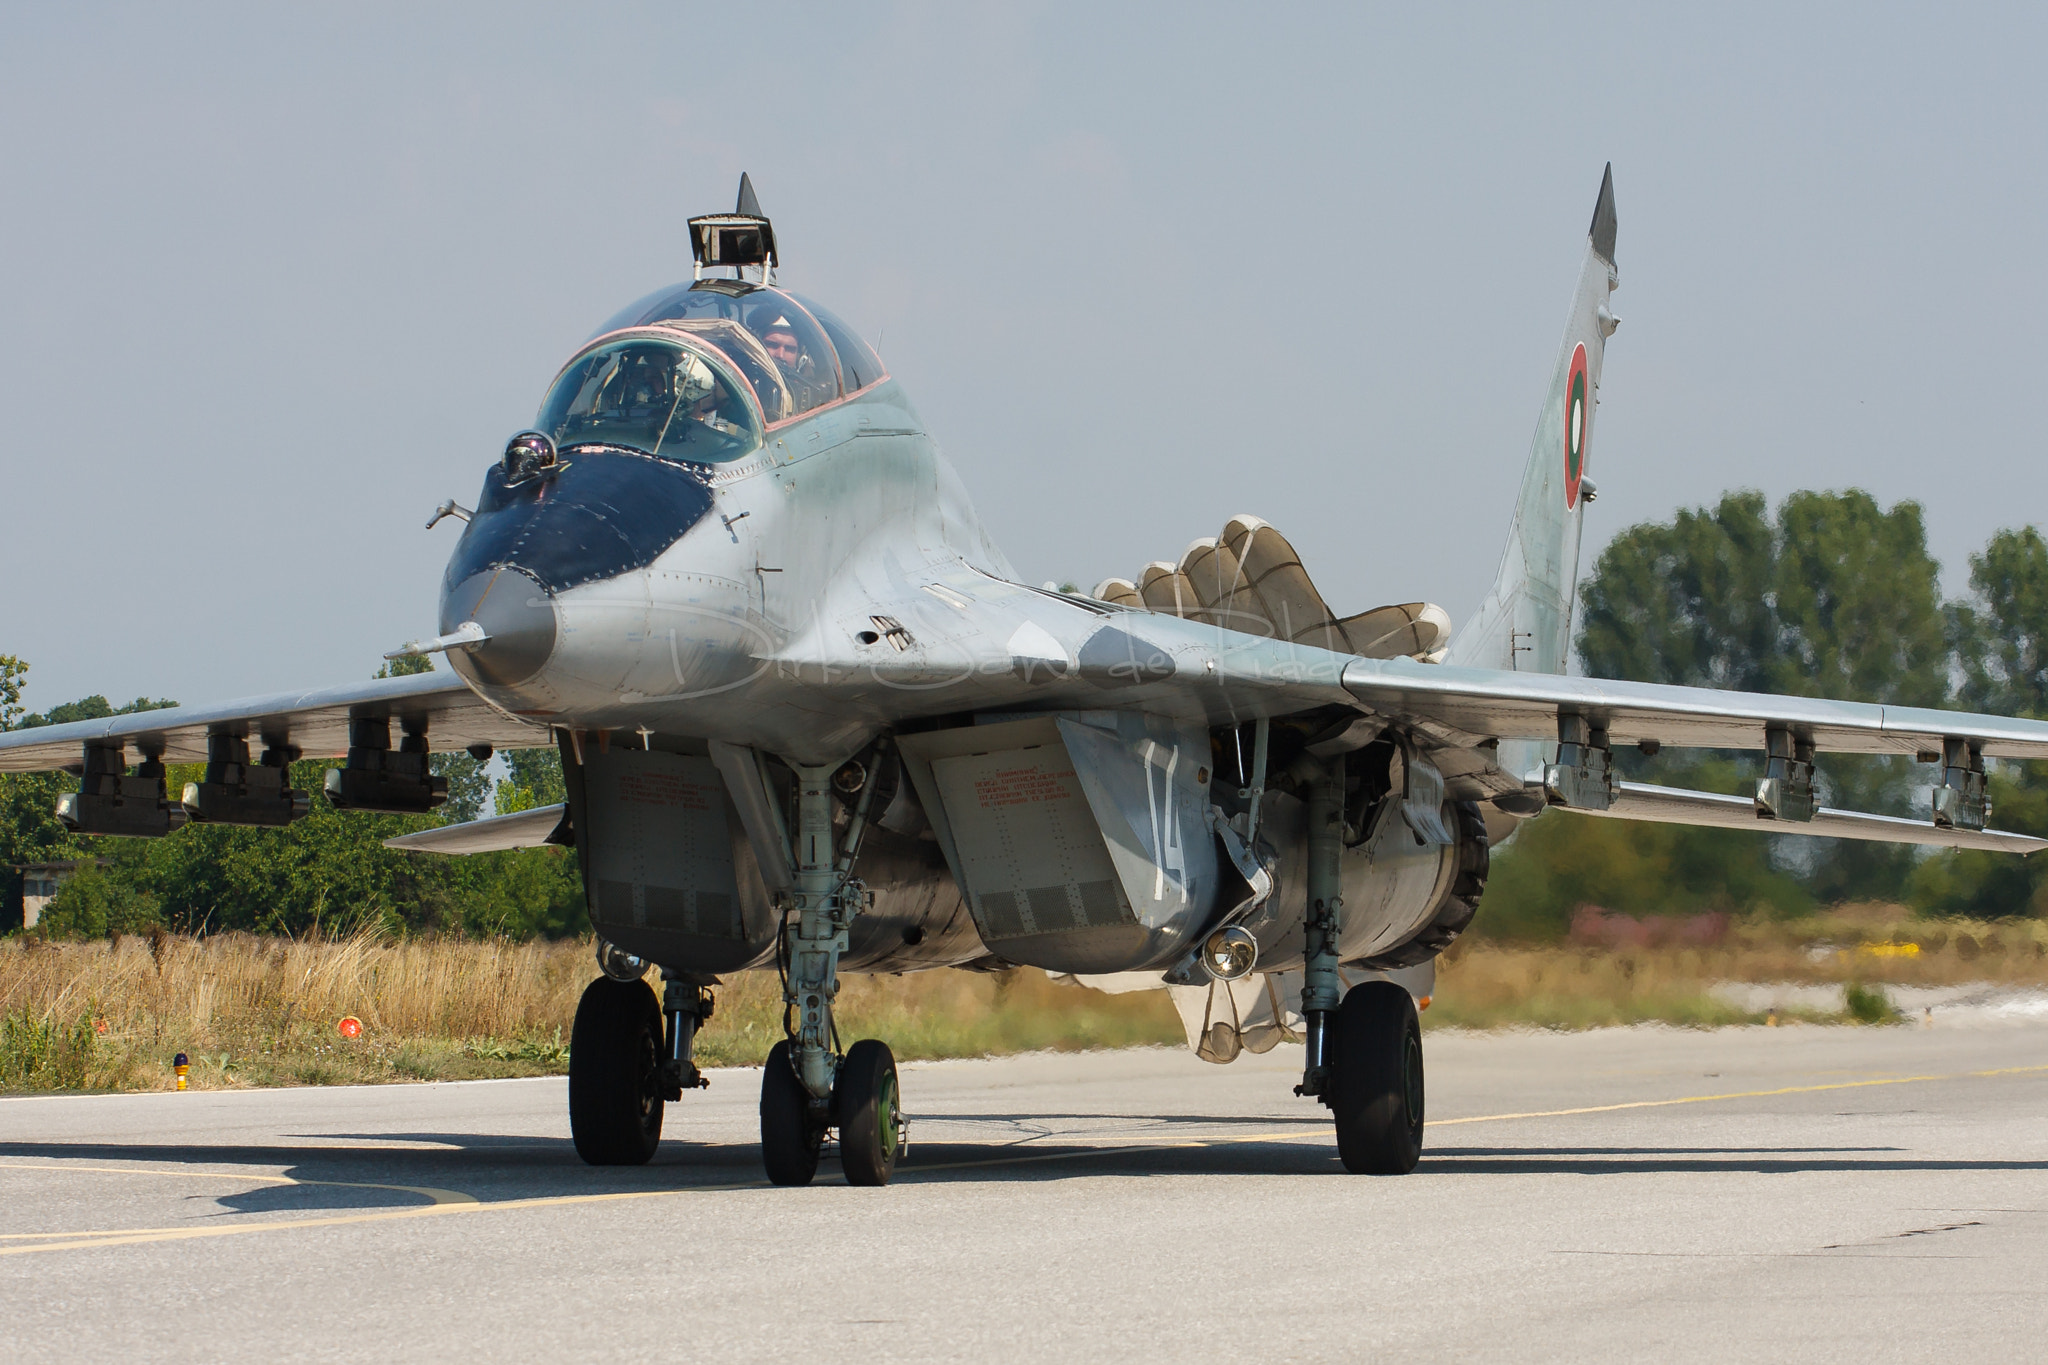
1602 231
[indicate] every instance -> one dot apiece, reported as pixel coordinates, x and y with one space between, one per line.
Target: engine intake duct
110 800
235 792
379 778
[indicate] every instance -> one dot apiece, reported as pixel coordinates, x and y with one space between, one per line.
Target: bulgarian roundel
1575 415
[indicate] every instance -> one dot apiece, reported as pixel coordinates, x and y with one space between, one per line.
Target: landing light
1230 953
618 964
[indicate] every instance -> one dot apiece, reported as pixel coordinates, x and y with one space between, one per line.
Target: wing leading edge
1481 704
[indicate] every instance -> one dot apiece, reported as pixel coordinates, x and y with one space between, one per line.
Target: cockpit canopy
751 358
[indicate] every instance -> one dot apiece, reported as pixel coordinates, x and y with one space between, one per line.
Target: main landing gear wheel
615 1073
864 1100
790 1136
1375 1087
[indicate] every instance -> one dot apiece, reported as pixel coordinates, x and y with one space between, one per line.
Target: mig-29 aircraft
810 721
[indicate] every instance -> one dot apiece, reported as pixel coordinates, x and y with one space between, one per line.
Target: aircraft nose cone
517 614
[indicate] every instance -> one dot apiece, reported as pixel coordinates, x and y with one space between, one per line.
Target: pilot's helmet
774 321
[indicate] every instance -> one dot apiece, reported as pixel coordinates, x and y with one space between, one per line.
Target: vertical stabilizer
1526 621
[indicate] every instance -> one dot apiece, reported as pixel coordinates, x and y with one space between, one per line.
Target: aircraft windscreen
652 396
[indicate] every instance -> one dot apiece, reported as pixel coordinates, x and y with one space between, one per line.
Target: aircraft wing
1676 806
316 722
1476 704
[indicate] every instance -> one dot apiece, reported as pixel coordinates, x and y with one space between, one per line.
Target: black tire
615 1055
866 1104
790 1136
1375 1080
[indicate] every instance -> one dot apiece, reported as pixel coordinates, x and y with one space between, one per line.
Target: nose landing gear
792 1133
807 1087
865 1107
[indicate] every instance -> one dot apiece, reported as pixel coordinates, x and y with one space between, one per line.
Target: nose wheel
1375 1080
870 1116
792 1130
615 1073
865 1107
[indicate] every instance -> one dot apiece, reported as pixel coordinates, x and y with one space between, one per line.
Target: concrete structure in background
39 883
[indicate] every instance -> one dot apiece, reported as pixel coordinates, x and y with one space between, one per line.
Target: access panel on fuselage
1021 823
1079 847
657 842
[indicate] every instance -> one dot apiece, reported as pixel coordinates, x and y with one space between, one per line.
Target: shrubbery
327 872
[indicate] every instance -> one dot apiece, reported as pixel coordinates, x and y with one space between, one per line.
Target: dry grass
256 1011
1488 985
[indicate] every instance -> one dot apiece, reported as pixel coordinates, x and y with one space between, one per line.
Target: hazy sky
276 284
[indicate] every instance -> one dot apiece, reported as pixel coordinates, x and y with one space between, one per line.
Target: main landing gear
624 1065
615 1090
1365 1048
1375 1080
807 1087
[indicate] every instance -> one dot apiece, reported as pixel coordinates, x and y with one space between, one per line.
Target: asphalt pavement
1798 1193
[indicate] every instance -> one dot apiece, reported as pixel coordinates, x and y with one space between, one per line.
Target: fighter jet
811 722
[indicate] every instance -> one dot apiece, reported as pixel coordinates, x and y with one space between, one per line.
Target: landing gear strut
1321 987
1365 1045
807 1087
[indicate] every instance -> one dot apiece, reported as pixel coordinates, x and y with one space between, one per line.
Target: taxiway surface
1799 1193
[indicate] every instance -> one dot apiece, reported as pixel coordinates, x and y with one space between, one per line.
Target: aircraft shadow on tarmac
491 1169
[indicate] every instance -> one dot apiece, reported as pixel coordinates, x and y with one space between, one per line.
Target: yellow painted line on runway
427 1192
69 1242
139 1237
1167 1144
1741 1095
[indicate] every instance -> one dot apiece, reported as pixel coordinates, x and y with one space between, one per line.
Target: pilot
800 370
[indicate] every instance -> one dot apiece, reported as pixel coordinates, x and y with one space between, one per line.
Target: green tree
1830 596
93 904
29 829
1686 603
328 871
2000 638
2001 635
535 780
1860 602
1834 597
12 671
